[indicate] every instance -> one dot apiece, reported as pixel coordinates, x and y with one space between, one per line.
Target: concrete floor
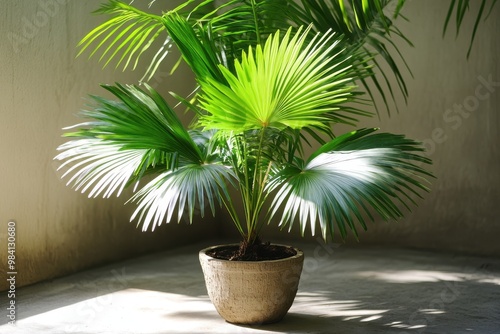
342 290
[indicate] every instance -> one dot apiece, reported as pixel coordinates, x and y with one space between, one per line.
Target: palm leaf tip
98 167
124 37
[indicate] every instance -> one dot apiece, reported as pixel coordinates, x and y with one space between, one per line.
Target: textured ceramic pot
252 292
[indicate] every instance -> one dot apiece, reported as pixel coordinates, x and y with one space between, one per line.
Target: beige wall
60 231
42 88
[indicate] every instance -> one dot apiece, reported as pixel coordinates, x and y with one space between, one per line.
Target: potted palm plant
272 77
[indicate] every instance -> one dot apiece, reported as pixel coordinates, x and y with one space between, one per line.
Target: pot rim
203 253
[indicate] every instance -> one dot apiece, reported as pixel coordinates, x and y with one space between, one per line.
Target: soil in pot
257 251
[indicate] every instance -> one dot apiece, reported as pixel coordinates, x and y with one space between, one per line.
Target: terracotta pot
252 292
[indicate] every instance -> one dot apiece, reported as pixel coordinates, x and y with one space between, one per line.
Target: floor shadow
309 323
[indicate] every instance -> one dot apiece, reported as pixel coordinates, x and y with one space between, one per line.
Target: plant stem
257 190
244 185
234 215
256 23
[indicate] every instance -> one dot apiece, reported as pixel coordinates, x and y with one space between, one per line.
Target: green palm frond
140 119
348 177
140 130
129 32
197 47
460 8
125 36
368 25
139 134
286 83
232 26
186 188
241 23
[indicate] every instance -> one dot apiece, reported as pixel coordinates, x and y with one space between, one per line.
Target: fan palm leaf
140 134
285 83
186 188
138 120
346 178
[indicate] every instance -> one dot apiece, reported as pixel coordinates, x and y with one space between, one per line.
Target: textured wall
42 88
